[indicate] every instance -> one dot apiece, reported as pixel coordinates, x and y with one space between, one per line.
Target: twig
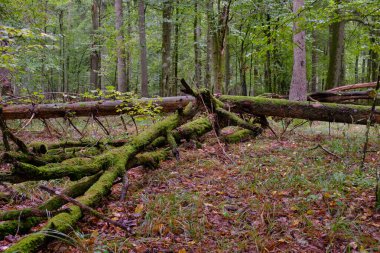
101 125
134 122
124 124
76 129
27 123
370 121
84 207
327 151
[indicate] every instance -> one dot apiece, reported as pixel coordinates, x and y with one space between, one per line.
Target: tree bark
298 87
143 50
197 50
352 114
166 48
122 84
87 109
314 62
129 48
336 54
95 57
207 75
175 51
218 44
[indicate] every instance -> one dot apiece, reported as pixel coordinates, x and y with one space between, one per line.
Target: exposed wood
354 86
328 96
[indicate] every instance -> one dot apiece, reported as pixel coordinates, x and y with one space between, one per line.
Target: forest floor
277 195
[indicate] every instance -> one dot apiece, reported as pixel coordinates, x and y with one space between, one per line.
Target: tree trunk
166 47
122 84
352 114
242 71
197 50
267 64
336 54
207 75
95 108
175 51
95 57
298 87
219 43
357 69
227 78
143 50
314 62
129 49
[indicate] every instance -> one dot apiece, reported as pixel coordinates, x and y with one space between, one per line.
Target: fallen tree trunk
93 108
330 96
353 87
338 96
352 114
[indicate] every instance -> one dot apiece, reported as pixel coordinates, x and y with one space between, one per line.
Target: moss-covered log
352 114
116 159
53 156
23 226
87 109
193 129
256 129
238 136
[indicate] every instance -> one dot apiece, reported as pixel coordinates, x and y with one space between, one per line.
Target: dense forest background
233 47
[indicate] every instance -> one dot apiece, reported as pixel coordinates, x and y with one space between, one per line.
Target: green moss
238 136
52 171
11 227
197 127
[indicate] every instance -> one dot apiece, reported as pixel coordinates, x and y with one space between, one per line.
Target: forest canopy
234 47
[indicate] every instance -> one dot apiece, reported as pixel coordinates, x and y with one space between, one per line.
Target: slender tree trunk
363 77
251 91
129 49
227 78
122 84
298 87
197 50
267 64
357 69
166 47
207 74
243 70
95 57
61 84
374 57
314 62
143 50
175 53
336 54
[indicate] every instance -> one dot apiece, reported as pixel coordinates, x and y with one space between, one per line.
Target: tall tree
219 42
122 85
166 48
95 57
129 48
336 53
143 50
314 61
298 87
207 75
175 50
197 49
